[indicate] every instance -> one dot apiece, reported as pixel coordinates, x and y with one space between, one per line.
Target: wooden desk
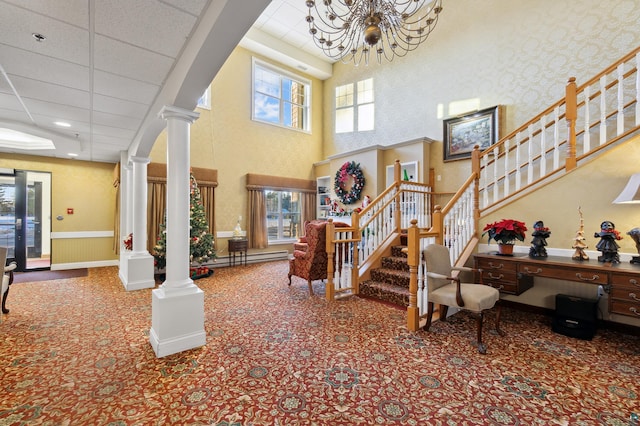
515 274
238 245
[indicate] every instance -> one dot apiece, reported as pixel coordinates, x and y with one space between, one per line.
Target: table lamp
631 195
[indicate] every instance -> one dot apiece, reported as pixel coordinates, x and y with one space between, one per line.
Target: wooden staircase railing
605 110
588 119
374 229
538 151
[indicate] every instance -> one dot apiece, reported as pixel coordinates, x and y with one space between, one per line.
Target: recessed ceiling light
18 140
62 124
39 37
72 154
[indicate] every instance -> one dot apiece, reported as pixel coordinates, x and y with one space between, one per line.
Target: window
205 99
354 105
283 215
280 98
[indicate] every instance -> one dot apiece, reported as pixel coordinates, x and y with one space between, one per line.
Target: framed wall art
464 132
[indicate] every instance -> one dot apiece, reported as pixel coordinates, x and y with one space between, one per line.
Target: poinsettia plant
505 231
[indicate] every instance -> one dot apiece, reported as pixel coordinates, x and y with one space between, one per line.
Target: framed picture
462 133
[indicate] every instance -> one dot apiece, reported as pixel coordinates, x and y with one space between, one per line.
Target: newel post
571 113
356 236
331 254
475 169
437 224
413 260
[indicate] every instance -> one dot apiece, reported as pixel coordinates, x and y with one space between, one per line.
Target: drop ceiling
107 67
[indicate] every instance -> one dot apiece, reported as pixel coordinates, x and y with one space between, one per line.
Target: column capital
170 111
140 160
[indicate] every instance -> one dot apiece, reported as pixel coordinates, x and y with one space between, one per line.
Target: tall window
283 215
355 107
280 98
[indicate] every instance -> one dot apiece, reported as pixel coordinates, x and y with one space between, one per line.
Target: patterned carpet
76 352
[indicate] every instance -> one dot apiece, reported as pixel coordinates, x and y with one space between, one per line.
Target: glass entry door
25 218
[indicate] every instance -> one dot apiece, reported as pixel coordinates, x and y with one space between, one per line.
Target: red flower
505 231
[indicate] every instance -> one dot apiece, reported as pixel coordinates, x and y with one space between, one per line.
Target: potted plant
505 232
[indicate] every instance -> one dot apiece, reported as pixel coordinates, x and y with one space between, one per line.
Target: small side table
238 245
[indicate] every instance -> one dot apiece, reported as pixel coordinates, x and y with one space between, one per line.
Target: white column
126 201
136 270
177 311
140 205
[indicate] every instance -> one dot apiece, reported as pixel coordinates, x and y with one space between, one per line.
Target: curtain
207 195
257 204
307 208
257 230
156 207
207 180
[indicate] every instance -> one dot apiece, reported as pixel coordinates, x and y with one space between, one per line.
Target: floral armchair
311 264
302 244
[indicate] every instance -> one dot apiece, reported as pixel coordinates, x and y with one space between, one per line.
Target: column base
177 320
136 271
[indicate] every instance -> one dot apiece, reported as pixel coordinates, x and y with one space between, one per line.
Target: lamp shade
631 193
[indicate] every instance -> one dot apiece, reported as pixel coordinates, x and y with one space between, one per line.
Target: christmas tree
201 246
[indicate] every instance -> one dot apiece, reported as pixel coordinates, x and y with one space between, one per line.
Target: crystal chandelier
348 30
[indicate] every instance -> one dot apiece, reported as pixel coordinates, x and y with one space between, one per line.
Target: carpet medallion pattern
76 352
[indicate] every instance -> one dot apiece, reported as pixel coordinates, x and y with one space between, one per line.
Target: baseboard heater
267 256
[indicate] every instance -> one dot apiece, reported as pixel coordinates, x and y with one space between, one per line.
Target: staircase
390 282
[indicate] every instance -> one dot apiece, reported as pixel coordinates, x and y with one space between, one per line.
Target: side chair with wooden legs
446 290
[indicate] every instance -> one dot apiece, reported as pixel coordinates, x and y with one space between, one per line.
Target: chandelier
348 30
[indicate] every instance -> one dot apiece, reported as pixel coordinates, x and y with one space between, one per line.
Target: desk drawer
560 273
496 265
630 281
625 307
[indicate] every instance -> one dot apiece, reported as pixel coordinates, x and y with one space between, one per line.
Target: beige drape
156 207
307 208
257 229
257 204
157 200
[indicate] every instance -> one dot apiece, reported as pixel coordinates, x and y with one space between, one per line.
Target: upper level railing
590 117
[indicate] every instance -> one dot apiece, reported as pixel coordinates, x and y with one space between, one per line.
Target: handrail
547 145
533 149
526 151
376 227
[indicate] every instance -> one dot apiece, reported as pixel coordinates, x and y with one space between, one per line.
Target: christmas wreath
349 169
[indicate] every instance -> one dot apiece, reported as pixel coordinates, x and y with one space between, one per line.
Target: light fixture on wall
631 193
348 30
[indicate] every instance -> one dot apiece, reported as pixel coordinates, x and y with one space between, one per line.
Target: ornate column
177 310
136 266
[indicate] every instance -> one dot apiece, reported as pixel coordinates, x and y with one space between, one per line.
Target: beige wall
592 187
85 186
226 139
495 52
481 54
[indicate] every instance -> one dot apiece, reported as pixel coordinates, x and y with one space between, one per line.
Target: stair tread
386 286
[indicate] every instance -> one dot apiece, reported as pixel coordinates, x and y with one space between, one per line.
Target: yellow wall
592 187
85 186
481 54
226 139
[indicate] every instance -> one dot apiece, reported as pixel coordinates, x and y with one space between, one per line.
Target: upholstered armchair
302 244
7 276
312 263
446 290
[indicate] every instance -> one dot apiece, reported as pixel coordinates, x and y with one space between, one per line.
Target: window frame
280 238
355 107
306 106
